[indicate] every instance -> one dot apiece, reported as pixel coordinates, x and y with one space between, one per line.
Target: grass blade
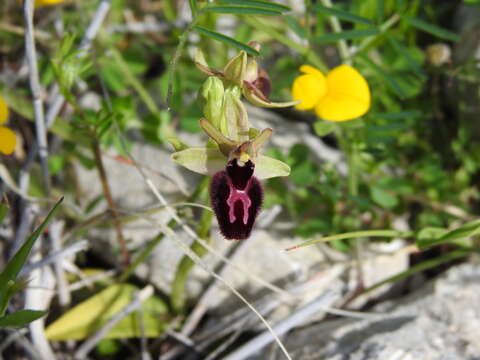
258 3
20 318
351 235
242 10
13 267
465 231
431 29
420 267
226 40
348 34
343 15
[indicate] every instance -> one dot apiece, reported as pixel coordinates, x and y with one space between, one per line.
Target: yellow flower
39 3
8 139
342 95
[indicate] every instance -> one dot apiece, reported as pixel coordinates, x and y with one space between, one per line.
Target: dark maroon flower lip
236 197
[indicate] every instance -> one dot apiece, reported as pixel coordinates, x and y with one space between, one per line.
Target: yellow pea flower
39 3
8 139
341 95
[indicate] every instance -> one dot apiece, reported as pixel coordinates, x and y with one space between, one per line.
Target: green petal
201 160
255 99
267 167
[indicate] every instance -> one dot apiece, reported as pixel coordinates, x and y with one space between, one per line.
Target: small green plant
10 283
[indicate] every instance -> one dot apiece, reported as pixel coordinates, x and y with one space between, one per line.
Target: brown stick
111 203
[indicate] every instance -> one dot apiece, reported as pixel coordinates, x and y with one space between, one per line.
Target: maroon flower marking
236 197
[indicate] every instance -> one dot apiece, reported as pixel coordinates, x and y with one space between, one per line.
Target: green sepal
205 161
255 97
267 167
225 144
177 144
236 68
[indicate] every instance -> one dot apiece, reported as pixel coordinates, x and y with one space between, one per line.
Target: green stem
383 28
337 27
355 234
176 56
352 155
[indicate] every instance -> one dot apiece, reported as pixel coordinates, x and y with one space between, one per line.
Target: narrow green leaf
465 231
420 267
20 318
295 26
403 51
3 211
431 29
13 267
348 34
241 10
342 15
258 3
390 80
193 7
226 40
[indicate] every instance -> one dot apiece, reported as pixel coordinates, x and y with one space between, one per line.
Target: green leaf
304 174
465 231
348 34
420 267
242 10
426 235
342 15
226 40
3 211
383 198
13 267
193 6
390 80
431 29
258 3
323 128
20 318
403 51
205 161
90 315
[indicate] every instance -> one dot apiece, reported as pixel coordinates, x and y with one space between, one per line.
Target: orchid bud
212 93
236 116
235 69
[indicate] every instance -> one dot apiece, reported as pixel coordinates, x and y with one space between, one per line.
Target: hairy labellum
236 197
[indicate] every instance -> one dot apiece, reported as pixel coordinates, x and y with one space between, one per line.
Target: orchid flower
232 156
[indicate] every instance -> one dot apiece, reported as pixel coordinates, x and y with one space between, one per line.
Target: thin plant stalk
111 203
